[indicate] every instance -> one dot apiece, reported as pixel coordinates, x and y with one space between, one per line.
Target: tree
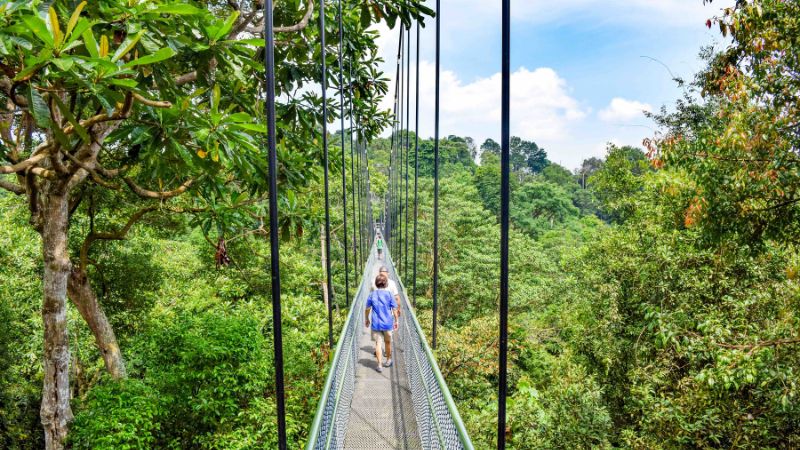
527 155
588 167
557 174
159 107
739 141
539 205
490 146
619 181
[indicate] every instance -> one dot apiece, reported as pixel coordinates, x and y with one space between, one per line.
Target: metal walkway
408 406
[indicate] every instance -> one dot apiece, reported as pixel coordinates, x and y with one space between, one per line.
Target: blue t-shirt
382 303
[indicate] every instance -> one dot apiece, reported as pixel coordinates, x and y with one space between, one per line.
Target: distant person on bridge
379 246
381 316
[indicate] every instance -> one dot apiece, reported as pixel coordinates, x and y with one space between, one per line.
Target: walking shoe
379 369
388 363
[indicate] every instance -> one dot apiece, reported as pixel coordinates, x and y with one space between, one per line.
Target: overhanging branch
157 195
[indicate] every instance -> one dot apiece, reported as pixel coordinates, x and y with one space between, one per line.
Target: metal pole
344 166
408 118
326 170
356 256
399 147
436 177
273 224
504 206
416 172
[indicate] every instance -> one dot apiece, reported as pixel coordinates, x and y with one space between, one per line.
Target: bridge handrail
448 398
313 435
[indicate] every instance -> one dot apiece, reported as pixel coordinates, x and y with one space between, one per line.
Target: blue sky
581 69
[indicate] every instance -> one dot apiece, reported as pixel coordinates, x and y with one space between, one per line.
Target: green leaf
226 27
239 117
91 43
249 42
39 29
127 46
28 71
250 127
38 108
78 31
160 55
176 8
366 17
64 63
215 95
124 82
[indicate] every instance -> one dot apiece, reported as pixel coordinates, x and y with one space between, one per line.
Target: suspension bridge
408 406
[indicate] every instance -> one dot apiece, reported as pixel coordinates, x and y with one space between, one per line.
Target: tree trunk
55 411
83 297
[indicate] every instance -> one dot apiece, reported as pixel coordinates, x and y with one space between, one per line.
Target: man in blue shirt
381 314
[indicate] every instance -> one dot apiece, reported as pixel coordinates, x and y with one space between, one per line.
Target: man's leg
387 339
376 336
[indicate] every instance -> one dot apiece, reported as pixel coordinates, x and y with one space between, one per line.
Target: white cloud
621 110
542 108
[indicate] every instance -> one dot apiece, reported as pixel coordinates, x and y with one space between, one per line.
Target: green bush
119 415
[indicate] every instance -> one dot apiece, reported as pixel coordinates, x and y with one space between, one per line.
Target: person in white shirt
391 287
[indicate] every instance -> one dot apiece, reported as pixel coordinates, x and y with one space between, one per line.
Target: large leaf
127 46
160 55
91 43
74 19
38 108
176 8
55 28
226 27
39 29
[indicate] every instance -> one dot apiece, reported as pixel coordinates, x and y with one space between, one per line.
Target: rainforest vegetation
654 292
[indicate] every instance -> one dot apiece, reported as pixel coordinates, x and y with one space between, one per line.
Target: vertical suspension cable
269 56
360 182
504 206
356 255
408 117
390 188
400 156
416 173
436 177
344 166
324 83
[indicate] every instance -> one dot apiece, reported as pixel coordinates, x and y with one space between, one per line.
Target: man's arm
366 316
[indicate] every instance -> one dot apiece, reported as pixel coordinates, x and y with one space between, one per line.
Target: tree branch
153 103
23 165
292 28
156 195
93 173
117 235
11 186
